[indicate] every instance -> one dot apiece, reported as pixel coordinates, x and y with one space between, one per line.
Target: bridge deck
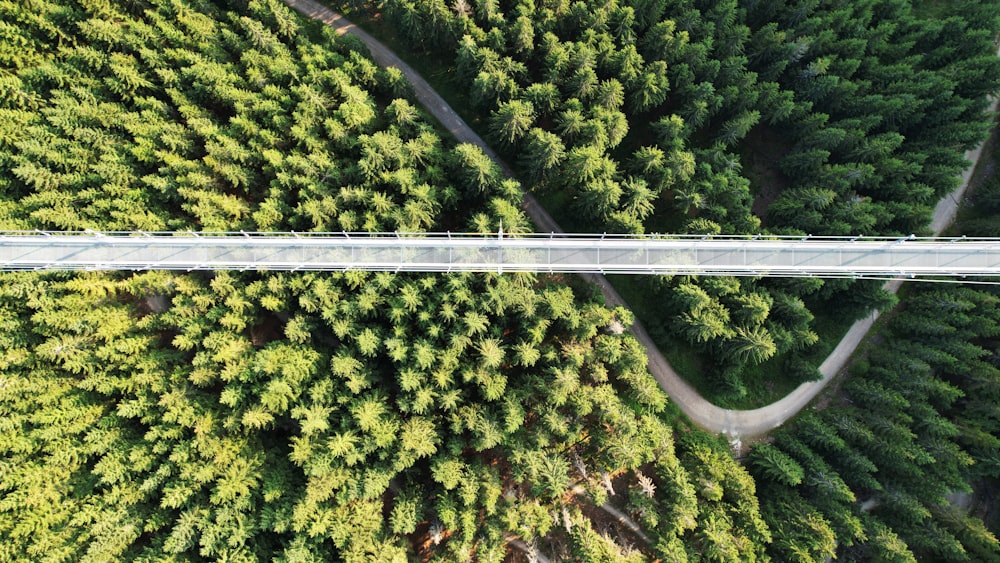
443 252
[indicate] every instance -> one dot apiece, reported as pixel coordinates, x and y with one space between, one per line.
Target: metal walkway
448 252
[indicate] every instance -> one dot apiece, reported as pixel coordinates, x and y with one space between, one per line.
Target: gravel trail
733 423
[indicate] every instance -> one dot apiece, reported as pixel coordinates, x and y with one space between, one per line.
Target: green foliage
643 115
360 416
588 545
912 430
257 416
776 465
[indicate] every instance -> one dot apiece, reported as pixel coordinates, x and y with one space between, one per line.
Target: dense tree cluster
257 416
867 478
359 416
294 417
886 105
177 121
563 84
709 510
850 118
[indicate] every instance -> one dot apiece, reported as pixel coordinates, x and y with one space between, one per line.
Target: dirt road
701 411
755 422
733 423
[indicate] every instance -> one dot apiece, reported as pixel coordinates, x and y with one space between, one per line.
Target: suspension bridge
756 256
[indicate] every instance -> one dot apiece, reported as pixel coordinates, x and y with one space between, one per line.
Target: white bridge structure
761 255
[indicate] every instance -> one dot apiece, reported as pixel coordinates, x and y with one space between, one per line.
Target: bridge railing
743 255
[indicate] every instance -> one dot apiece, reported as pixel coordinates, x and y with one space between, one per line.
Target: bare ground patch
763 148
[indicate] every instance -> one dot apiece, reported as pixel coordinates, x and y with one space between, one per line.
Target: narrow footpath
736 424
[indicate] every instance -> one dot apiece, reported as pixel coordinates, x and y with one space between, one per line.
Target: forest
254 416
707 117
293 417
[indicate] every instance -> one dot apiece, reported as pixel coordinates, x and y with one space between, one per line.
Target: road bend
736 424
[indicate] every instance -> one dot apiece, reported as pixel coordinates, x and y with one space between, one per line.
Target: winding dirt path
733 423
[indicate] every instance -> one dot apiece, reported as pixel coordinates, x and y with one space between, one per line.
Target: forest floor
763 149
735 424
985 170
